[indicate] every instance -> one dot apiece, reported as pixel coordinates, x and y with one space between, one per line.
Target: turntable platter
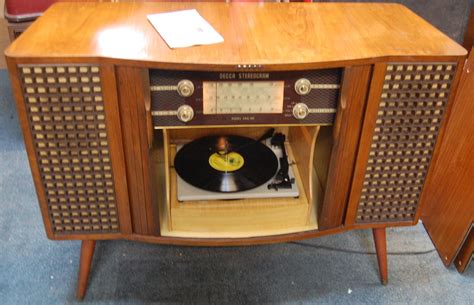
225 163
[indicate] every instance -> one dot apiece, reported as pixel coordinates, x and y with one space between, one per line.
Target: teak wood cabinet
374 149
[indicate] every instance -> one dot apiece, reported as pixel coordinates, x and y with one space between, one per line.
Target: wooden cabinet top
275 35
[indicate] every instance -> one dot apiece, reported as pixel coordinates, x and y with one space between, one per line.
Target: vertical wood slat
368 126
132 91
114 130
347 131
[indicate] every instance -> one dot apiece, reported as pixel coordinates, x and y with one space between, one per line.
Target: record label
226 162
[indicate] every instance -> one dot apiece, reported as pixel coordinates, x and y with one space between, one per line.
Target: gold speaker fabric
411 108
66 116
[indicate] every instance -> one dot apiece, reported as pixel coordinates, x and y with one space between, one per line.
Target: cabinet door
70 122
405 109
448 210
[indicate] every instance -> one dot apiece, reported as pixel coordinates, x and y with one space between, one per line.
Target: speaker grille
411 108
66 116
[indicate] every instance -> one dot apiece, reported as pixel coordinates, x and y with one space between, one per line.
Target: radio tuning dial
300 111
185 113
185 88
303 86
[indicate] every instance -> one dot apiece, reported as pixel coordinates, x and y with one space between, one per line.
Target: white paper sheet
186 28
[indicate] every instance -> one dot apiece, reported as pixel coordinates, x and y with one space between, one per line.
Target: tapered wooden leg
381 249
87 252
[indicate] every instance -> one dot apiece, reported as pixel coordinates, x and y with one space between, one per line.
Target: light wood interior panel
303 140
322 154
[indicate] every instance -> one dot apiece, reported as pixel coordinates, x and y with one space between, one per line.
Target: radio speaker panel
65 112
411 109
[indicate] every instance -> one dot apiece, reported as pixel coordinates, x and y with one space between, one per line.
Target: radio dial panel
198 98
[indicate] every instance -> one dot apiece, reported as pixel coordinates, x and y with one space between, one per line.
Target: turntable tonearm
360 91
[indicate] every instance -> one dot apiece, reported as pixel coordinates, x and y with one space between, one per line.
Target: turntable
128 139
233 167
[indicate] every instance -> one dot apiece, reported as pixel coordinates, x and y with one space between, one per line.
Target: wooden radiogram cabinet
368 90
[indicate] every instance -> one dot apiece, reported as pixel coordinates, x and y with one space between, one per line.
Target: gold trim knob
185 113
303 86
185 88
300 111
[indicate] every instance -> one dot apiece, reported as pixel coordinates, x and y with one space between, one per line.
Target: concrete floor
339 269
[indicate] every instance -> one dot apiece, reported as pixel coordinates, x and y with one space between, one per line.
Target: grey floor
35 270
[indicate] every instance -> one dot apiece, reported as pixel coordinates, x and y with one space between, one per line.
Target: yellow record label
226 162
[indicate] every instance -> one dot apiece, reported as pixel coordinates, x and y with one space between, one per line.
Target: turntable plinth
362 91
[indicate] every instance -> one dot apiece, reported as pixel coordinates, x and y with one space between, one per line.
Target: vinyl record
225 163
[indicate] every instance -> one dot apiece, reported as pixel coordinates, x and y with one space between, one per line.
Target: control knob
185 88
185 113
303 86
300 111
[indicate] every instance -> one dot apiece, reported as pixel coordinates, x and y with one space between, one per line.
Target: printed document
186 28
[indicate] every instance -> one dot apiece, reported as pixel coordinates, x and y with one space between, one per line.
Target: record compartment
243 218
